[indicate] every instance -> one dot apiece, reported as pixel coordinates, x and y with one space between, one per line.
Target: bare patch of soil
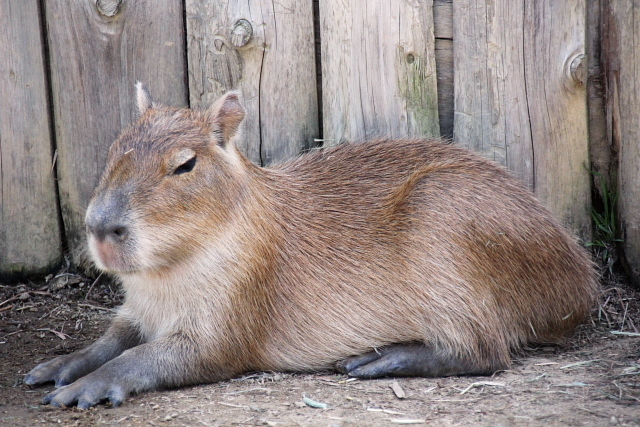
594 379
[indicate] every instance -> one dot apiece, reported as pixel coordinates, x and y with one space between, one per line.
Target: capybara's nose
106 218
103 230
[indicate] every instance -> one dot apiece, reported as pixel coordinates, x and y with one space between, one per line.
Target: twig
573 384
624 316
628 373
86 297
232 405
60 334
602 311
544 374
619 389
95 307
572 365
386 411
480 384
13 298
591 412
628 334
268 390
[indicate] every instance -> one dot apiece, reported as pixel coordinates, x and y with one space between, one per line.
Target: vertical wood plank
623 104
555 71
491 112
274 70
29 229
98 51
516 100
378 69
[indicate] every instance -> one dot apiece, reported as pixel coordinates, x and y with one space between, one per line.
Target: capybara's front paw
87 392
62 370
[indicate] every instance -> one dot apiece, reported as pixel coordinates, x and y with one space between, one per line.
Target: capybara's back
405 241
390 257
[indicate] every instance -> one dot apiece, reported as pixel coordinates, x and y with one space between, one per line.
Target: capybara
385 258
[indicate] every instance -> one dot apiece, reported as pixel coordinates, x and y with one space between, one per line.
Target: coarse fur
414 246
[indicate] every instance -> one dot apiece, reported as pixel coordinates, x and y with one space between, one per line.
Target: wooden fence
547 88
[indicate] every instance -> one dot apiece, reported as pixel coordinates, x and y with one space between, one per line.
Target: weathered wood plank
556 98
378 69
622 25
274 70
98 51
29 230
491 112
516 100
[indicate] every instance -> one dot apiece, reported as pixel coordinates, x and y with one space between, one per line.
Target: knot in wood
108 8
578 69
241 33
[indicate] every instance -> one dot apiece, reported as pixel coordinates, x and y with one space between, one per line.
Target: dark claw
85 394
382 367
37 376
84 404
116 398
53 403
347 365
47 399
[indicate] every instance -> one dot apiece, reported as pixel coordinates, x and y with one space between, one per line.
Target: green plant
604 221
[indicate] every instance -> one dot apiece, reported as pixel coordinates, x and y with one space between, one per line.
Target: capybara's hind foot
406 360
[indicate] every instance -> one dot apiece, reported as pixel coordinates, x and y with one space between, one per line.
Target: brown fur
332 254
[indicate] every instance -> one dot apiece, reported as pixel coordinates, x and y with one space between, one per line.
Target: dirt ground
592 380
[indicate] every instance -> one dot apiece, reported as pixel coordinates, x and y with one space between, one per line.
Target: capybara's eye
186 166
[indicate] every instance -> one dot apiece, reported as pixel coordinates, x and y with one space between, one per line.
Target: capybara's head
171 179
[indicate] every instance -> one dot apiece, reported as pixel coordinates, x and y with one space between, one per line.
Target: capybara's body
392 257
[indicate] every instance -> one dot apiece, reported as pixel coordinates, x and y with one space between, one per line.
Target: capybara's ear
225 116
143 98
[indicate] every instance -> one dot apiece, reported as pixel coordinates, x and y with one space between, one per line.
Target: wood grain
98 52
378 69
491 111
557 105
29 229
275 70
517 102
622 25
